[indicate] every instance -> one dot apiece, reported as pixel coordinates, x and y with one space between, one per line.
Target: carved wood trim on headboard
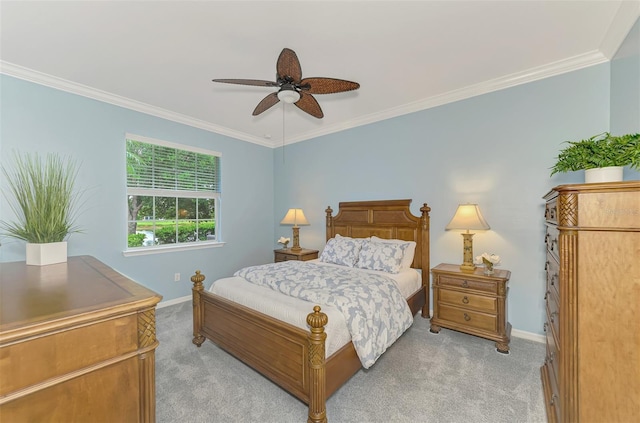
389 219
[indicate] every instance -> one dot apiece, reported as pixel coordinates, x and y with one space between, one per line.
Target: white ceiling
159 57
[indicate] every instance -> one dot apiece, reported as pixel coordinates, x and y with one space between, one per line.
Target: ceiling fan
294 89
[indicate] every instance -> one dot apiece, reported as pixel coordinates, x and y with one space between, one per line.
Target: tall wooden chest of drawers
592 366
77 344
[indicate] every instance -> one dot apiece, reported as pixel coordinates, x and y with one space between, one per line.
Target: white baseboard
175 301
528 335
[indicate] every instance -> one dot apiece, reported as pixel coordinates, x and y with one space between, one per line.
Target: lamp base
468 268
467 253
296 239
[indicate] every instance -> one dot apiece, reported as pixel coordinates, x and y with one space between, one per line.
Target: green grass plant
42 198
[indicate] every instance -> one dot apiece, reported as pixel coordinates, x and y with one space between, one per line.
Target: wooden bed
294 358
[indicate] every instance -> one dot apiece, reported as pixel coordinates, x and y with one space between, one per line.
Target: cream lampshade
468 217
295 217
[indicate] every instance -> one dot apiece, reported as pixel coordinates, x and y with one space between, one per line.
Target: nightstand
301 255
472 303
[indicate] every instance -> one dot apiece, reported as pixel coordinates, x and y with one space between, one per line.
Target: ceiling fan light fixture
288 96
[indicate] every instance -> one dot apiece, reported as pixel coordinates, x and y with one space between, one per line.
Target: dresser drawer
469 301
554 401
551 211
468 283
553 275
468 318
553 312
553 350
551 240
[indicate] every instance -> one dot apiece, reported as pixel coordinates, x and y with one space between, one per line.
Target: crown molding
31 75
508 81
626 17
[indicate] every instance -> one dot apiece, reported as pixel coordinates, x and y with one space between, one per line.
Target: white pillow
407 259
342 250
383 256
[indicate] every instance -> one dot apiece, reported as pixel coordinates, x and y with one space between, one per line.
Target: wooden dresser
77 344
592 366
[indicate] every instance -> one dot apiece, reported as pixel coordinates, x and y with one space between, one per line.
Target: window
173 195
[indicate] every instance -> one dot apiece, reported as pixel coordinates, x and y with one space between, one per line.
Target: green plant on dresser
599 151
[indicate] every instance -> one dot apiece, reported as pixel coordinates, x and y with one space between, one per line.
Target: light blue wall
494 150
625 88
38 118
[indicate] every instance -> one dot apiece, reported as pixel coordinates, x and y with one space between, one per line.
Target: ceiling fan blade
266 103
309 104
289 66
256 82
327 85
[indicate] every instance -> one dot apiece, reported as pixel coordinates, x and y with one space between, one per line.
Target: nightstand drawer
286 257
289 255
466 300
468 283
468 318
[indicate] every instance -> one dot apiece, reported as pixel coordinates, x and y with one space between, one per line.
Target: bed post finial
317 370
197 280
329 212
425 216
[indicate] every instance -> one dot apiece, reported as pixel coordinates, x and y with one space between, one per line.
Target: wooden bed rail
316 397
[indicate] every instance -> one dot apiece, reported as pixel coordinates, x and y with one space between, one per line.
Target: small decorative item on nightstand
473 303
489 261
287 254
284 241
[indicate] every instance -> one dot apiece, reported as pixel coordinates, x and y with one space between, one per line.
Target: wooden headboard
389 219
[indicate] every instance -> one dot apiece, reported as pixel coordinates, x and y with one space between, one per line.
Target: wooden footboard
291 357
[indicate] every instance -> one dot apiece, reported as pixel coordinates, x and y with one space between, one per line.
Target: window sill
169 248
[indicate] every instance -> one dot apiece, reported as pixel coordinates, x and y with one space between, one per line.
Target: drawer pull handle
465 300
553 279
553 399
467 317
545 326
553 316
465 284
552 356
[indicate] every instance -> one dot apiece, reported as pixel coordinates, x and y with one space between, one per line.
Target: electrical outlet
176 277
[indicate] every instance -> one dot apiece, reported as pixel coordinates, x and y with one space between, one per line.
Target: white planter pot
603 174
43 254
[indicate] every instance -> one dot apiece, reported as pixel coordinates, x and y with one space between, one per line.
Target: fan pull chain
283 106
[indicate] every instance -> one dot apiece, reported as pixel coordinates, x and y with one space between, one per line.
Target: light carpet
445 378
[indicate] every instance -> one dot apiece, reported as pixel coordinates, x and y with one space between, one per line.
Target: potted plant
44 203
604 153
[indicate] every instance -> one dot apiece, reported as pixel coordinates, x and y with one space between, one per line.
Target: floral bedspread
374 309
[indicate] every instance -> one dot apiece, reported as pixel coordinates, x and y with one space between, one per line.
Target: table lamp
468 217
295 217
